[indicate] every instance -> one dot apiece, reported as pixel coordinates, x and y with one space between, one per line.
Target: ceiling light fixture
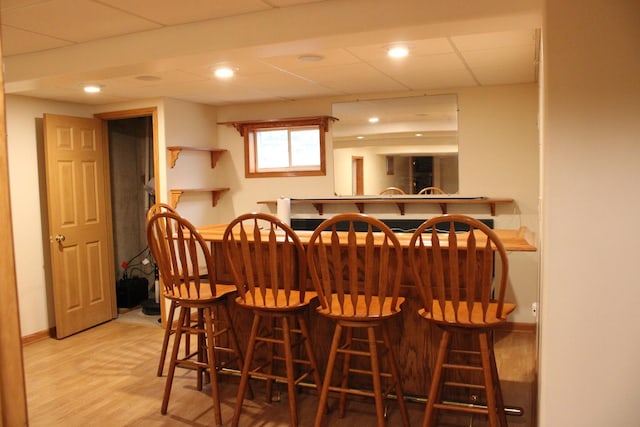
223 72
398 52
92 89
374 120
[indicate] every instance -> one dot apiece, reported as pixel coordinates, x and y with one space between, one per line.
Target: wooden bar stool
268 264
392 190
357 278
454 273
431 190
169 329
179 250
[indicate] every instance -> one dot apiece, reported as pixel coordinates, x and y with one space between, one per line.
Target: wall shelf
399 201
174 153
216 193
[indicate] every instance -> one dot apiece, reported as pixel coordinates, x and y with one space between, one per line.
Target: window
284 147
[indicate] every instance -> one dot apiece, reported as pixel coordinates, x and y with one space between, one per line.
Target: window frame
248 130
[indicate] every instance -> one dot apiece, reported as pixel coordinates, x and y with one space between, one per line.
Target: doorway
358 176
132 141
422 173
132 193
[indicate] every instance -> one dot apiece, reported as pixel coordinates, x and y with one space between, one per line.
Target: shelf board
216 193
174 153
399 201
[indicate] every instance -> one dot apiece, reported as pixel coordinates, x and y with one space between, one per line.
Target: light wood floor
106 376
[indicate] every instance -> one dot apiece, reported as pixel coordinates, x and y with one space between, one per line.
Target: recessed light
224 72
360 137
398 52
418 134
373 120
92 89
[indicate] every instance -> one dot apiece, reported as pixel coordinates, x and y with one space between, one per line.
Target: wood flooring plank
106 376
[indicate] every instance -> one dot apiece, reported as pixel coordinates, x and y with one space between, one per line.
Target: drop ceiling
141 49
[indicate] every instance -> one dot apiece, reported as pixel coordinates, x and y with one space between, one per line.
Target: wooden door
358 176
79 213
13 397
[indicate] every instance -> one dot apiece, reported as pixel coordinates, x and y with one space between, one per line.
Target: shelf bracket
215 156
216 194
318 207
175 197
174 153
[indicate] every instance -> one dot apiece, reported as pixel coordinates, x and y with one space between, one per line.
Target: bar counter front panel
415 339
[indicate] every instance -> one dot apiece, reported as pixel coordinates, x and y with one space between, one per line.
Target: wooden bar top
520 240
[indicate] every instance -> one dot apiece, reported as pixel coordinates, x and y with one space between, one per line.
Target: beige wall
183 123
498 144
26 175
245 192
194 125
589 340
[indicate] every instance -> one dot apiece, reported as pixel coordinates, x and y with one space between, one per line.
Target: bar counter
415 339
520 240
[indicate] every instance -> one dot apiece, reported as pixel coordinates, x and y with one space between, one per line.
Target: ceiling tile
505 75
75 21
444 79
11 4
352 78
284 85
16 41
495 40
502 57
420 72
184 11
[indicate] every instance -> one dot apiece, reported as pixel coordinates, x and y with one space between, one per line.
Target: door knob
60 238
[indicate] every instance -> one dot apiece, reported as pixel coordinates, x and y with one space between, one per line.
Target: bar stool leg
244 377
172 362
211 358
201 339
375 370
346 365
502 416
322 403
302 323
271 350
395 374
488 379
436 381
291 386
165 341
